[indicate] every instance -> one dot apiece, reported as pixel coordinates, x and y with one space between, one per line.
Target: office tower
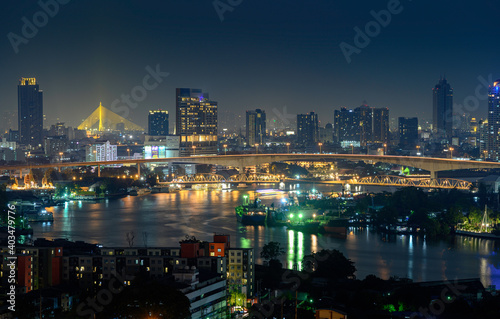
30 112
307 129
196 122
158 123
256 127
442 116
493 142
408 132
345 126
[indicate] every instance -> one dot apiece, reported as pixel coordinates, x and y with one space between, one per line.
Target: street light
385 148
288 148
451 152
256 148
225 148
61 154
128 151
320 144
352 148
194 149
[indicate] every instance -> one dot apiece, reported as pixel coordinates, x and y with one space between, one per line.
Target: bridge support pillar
433 174
242 170
139 170
20 173
98 170
59 169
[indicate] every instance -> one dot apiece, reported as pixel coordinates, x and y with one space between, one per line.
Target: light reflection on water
168 218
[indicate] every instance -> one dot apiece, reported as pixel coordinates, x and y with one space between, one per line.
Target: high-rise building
158 123
380 125
493 142
196 122
442 116
307 129
408 132
363 125
30 112
345 126
256 127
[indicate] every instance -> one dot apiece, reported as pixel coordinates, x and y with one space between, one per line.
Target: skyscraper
196 122
408 132
256 127
307 129
442 116
493 142
158 123
30 112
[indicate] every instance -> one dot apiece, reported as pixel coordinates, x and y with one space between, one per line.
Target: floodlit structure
103 119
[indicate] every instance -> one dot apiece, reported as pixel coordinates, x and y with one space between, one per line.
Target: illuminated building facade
101 152
493 142
196 122
161 146
30 112
256 127
158 123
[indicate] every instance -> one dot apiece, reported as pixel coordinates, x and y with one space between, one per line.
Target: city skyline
247 67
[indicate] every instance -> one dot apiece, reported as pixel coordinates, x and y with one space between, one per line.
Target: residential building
307 129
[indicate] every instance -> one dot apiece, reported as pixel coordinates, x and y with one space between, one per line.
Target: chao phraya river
168 218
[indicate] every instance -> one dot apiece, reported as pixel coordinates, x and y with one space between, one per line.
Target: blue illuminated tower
493 142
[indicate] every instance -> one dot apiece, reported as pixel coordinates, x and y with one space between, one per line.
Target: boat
252 213
336 226
40 216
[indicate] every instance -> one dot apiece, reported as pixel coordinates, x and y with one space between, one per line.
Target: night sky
264 54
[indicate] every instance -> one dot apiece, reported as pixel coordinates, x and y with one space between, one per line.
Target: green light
300 215
310 300
291 215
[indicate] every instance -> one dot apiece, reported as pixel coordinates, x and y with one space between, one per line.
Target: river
165 219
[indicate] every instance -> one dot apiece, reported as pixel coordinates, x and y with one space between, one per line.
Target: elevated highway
433 165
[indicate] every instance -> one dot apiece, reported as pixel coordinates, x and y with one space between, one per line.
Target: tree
150 299
271 251
331 264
